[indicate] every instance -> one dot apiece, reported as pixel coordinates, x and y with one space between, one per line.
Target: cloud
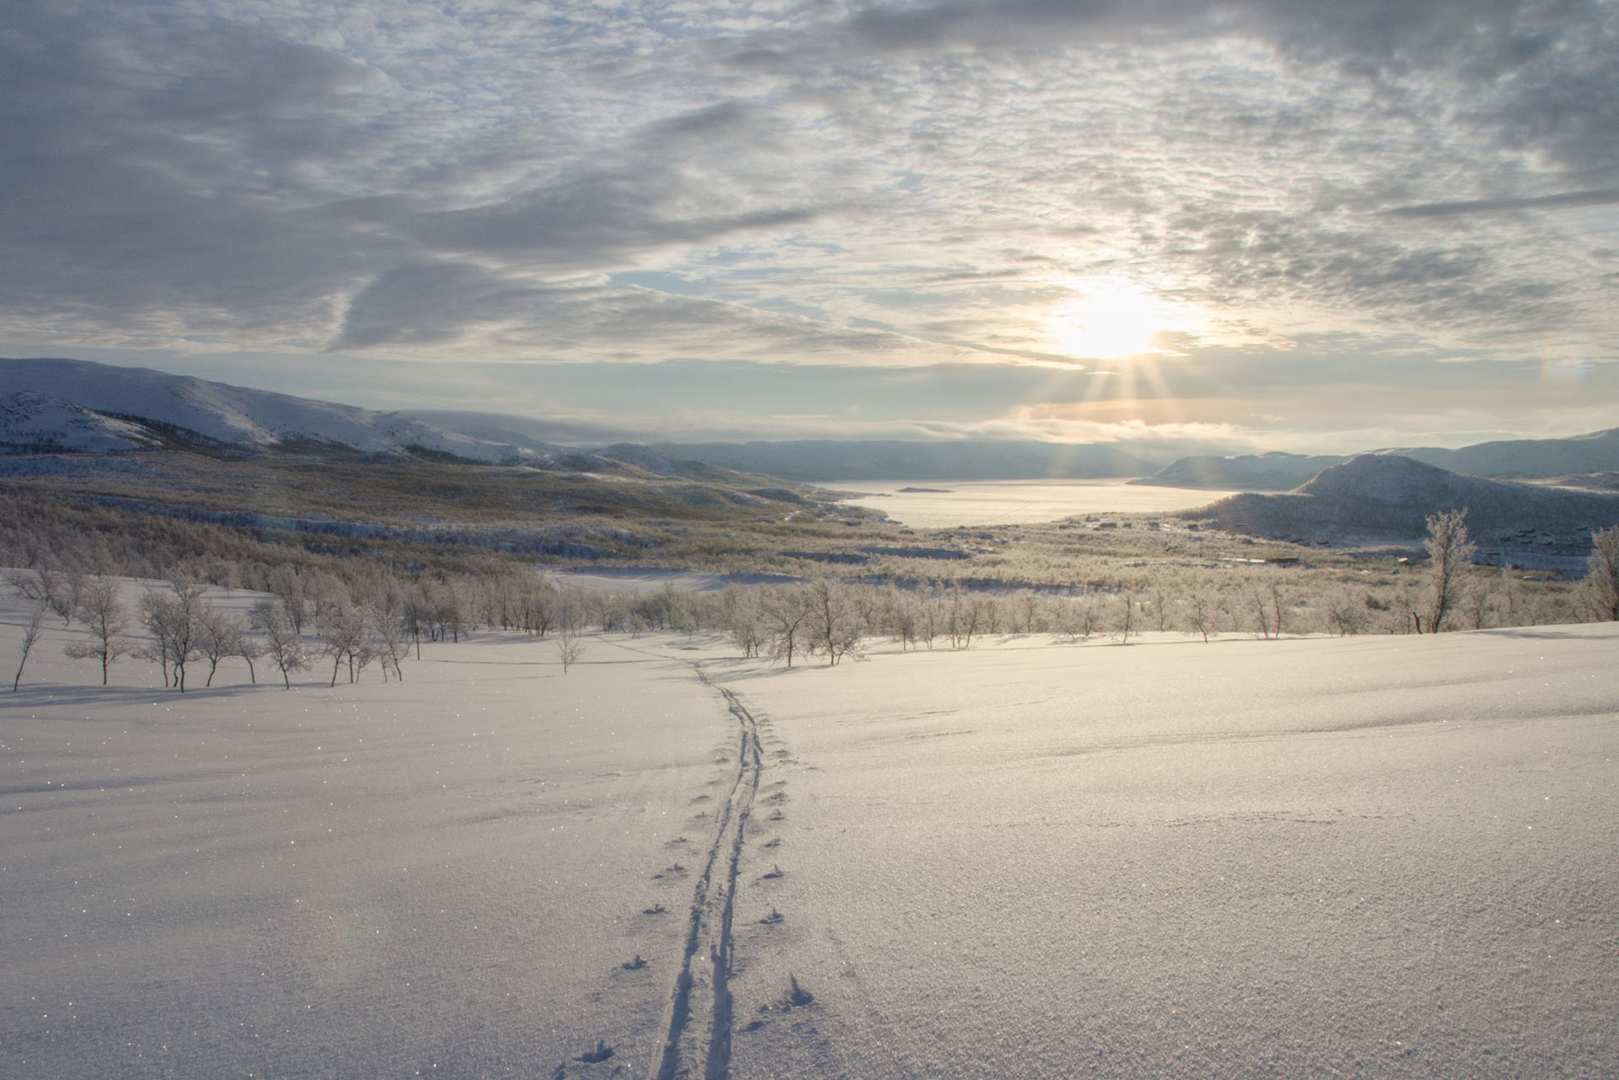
1598 197
894 185
479 311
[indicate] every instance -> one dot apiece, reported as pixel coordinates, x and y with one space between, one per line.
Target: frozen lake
1015 502
1369 857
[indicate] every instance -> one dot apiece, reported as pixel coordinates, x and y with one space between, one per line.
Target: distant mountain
1275 471
74 406
822 460
660 464
493 427
1526 459
1514 459
78 405
1388 497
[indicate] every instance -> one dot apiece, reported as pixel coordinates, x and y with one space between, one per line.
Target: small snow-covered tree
1125 615
45 588
102 612
30 636
348 637
1601 585
1449 553
834 620
1200 613
569 647
282 642
250 649
219 635
391 621
740 616
785 618
173 618
1346 612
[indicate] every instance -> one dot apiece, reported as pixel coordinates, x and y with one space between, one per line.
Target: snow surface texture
1375 857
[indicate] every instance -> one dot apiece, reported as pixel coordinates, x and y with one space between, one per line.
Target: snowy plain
1372 857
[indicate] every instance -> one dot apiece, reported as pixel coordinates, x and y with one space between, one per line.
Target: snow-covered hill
1387 498
76 405
31 422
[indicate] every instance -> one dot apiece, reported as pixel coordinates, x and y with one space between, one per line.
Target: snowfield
1365 857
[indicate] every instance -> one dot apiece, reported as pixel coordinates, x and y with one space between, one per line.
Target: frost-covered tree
1601 585
103 614
742 619
569 647
964 617
348 637
30 637
282 642
390 620
1124 619
173 619
1449 553
835 622
250 649
45 588
1200 613
219 635
1346 612
786 616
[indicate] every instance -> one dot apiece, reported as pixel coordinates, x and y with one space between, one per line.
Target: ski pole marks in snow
710 921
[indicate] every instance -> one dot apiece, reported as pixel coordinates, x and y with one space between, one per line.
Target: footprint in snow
601 1053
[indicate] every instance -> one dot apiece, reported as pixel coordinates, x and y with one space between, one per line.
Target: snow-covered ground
1376 857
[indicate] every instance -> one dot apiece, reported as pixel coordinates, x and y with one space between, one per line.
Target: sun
1111 318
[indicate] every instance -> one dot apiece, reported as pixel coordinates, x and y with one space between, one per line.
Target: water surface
934 504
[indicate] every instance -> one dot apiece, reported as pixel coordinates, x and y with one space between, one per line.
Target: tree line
356 613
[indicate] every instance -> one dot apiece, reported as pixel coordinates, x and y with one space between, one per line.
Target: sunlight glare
1109 319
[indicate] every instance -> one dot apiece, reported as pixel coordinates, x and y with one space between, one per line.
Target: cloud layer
892 185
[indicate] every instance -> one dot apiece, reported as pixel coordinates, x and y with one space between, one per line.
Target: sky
1261 224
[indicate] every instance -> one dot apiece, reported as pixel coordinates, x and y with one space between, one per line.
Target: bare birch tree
282 642
30 635
103 613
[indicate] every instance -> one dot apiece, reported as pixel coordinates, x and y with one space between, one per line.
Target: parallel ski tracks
686 1046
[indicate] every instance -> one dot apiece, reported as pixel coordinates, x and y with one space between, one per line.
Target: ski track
712 911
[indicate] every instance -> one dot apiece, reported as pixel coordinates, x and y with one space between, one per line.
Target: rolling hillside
1386 498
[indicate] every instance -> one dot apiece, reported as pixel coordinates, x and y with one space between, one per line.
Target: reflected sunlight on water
932 504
